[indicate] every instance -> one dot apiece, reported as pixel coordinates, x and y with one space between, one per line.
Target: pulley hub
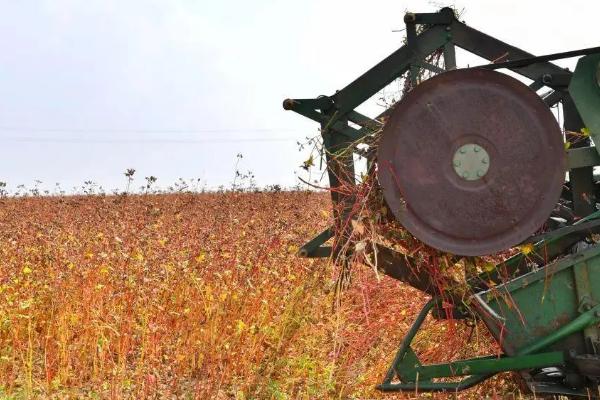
471 162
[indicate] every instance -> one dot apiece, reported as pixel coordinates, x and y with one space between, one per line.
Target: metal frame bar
415 376
495 50
536 60
389 69
313 248
490 364
581 179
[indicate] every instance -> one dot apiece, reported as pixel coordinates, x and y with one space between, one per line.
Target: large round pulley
471 162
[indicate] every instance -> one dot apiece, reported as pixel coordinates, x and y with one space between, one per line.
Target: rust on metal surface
441 203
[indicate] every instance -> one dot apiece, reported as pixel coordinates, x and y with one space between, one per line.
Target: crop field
199 296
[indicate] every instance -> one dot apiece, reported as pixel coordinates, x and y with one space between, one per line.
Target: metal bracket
314 248
415 376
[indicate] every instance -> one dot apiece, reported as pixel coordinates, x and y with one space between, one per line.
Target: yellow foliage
200 257
585 132
184 321
526 248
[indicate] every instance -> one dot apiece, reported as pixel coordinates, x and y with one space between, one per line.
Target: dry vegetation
196 296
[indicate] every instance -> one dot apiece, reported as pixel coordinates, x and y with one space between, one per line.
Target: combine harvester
473 162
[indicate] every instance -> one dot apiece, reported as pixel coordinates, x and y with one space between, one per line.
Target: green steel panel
585 91
541 303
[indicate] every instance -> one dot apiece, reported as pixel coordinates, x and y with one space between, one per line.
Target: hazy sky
176 88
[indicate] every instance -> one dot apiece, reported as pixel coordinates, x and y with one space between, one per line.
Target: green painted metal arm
405 365
306 110
389 69
490 48
435 386
314 249
553 98
399 360
415 376
490 364
363 120
444 16
430 67
348 98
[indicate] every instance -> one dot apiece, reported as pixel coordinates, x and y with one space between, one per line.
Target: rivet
484 161
462 151
480 173
465 175
476 149
457 163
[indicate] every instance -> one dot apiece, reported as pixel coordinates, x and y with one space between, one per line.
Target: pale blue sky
176 88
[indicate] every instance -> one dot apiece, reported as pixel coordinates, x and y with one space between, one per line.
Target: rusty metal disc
471 162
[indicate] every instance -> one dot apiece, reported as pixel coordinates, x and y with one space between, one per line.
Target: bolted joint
448 12
288 104
410 18
303 253
546 79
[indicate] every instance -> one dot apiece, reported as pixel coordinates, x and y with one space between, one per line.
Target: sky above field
179 88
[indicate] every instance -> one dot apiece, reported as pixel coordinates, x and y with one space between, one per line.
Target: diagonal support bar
495 50
389 69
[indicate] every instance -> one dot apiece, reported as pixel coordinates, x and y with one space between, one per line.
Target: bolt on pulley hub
471 162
